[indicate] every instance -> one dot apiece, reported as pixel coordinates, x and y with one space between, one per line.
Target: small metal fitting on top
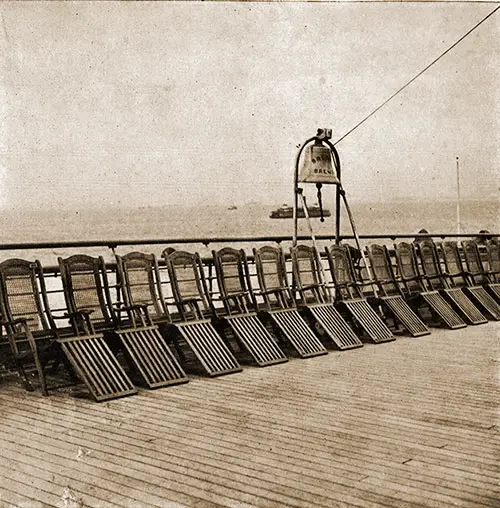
324 134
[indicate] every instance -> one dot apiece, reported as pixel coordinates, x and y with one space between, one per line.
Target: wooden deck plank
169 429
45 481
447 431
12 499
27 486
375 470
142 478
403 424
60 472
369 428
356 415
326 432
129 456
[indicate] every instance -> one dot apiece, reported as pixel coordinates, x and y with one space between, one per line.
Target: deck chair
349 295
282 308
418 293
86 289
493 256
240 308
137 279
28 324
239 300
142 286
316 301
460 278
195 313
33 333
477 270
428 256
391 296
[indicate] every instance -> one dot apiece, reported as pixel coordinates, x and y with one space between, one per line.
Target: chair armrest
407 279
81 312
269 291
121 306
234 295
188 300
64 316
14 321
311 286
359 283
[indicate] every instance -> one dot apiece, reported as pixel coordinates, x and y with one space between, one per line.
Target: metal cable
417 75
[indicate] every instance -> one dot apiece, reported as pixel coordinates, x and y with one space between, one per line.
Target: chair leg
173 337
71 371
55 365
41 374
22 373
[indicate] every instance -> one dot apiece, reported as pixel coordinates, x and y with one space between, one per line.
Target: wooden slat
255 338
401 424
442 309
486 301
211 351
152 357
405 315
464 306
335 326
369 320
98 367
296 331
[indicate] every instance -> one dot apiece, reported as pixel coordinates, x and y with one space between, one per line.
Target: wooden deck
409 423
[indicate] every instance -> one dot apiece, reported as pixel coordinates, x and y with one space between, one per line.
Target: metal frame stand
323 136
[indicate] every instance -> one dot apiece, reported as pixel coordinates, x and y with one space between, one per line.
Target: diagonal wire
417 75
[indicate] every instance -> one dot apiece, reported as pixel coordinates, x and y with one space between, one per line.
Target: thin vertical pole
337 209
358 244
297 190
338 195
458 196
295 211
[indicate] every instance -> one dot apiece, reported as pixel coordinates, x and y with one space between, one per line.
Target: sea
229 221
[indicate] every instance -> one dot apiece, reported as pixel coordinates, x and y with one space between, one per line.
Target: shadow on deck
409 423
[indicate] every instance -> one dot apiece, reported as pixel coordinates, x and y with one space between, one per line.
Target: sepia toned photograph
249 254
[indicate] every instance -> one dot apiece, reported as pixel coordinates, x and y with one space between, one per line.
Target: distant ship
286 212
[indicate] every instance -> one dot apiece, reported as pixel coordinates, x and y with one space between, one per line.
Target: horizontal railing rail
112 244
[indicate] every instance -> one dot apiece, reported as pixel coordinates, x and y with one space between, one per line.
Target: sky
187 103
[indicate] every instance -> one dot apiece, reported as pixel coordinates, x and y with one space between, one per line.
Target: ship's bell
317 166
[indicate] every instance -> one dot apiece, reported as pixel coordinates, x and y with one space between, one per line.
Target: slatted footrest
442 309
97 366
153 358
405 315
256 339
211 351
369 320
335 326
486 301
495 290
297 333
471 313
